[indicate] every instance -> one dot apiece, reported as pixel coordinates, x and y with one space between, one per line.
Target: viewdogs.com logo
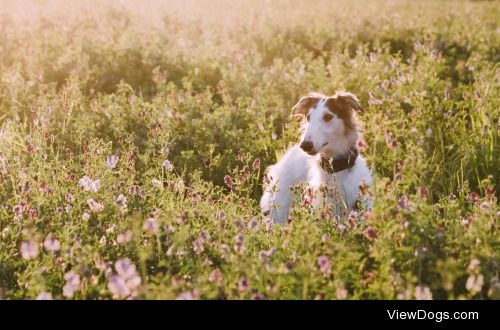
437 316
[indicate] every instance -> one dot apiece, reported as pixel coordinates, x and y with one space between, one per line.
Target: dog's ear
305 103
349 100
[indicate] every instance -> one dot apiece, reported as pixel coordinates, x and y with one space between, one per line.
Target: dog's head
330 124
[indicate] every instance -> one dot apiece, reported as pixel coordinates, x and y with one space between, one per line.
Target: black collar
341 162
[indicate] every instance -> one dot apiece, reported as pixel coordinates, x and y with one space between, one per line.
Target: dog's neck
342 156
340 162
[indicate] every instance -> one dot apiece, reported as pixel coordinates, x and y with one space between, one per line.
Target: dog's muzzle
307 146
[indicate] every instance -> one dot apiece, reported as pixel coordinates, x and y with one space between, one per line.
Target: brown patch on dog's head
342 104
349 99
305 103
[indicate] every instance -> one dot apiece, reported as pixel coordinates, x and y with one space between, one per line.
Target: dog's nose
306 146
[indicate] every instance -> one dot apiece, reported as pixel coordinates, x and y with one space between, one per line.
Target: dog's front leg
326 192
315 193
290 170
276 202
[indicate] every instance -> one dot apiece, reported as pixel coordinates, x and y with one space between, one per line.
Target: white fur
296 166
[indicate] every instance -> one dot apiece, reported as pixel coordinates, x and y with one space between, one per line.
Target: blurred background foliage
209 85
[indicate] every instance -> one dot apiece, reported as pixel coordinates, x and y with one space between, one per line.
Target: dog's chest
342 185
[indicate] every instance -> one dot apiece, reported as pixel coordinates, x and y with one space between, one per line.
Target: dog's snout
306 146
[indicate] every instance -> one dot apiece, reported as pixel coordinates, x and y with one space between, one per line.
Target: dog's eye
308 117
327 117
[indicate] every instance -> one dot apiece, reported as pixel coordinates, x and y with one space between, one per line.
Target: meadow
134 137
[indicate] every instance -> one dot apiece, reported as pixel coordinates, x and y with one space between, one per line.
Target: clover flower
26 187
404 203
44 296
266 254
215 276
94 206
157 183
258 296
89 185
18 212
474 283
118 286
121 203
253 224
341 293
361 144
229 182
72 283
473 197
29 249
124 237
199 242
33 213
423 292
111 161
126 282
390 141
69 197
168 165
370 233
474 266
189 295
150 226
238 245
485 206
243 285
51 244
111 228
324 265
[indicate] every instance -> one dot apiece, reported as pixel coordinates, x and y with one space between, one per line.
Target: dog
327 158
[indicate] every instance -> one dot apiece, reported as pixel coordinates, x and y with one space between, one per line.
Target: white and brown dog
327 158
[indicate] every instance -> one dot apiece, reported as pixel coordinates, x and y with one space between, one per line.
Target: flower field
134 138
